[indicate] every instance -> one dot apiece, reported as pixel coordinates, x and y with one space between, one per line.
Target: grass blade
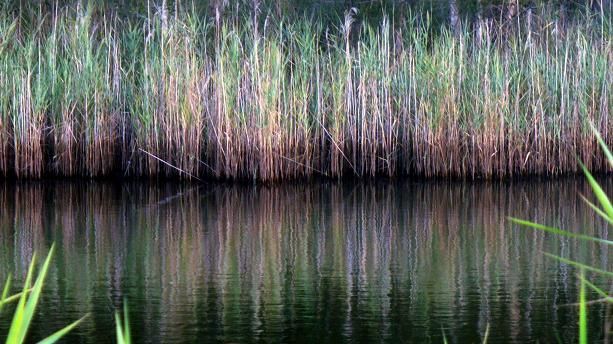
119 329
582 313
600 194
122 328
126 325
30 307
487 333
18 326
558 231
580 265
12 298
598 210
606 150
599 291
61 333
5 292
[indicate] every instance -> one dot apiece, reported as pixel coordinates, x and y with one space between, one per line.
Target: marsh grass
605 210
27 301
122 326
82 92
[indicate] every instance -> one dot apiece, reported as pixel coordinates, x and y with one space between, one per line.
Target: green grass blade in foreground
579 265
487 333
599 291
558 231
597 210
122 329
12 298
600 194
19 326
119 329
126 324
582 313
26 307
604 146
5 292
61 333
30 307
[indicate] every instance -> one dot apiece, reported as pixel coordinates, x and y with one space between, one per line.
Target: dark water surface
331 263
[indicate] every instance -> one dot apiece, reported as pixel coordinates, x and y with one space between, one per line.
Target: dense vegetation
245 91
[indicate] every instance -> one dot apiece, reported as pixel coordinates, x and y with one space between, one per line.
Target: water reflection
371 262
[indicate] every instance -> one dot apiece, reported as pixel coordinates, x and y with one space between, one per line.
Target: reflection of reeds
85 92
348 260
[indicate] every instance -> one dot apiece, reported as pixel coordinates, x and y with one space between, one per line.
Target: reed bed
87 93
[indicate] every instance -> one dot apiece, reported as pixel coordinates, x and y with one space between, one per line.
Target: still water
319 263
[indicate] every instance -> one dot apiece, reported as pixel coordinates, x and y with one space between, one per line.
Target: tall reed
84 92
27 301
604 209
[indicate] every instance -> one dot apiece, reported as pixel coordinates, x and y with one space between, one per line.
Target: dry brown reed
85 95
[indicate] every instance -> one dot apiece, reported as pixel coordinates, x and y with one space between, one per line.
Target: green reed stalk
605 210
582 313
122 326
27 302
84 92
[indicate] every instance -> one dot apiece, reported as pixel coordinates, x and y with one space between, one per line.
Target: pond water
322 262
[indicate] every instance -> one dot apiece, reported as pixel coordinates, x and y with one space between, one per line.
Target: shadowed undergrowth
89 95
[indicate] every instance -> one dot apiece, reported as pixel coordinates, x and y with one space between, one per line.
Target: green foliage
122 327
557 231
4 296
28 299
582 313
85 91
606 212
